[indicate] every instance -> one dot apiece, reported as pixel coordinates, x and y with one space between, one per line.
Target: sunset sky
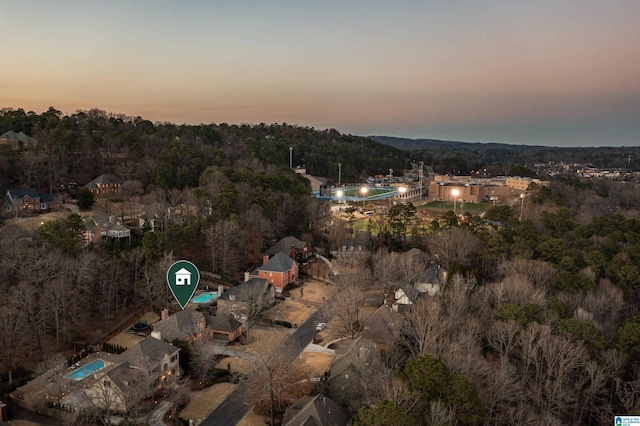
559 73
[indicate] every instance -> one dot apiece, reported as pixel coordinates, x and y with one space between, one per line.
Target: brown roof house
223 327
186 325
318 410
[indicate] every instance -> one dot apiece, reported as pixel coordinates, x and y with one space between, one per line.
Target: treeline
73 148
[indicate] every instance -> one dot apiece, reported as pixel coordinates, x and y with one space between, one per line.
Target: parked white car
321 326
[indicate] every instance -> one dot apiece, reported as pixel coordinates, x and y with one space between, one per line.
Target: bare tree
255 297
516 289
454 245
424 327
276 382
227 231
344 309
27 296
11 335
456 299
211 241
537 272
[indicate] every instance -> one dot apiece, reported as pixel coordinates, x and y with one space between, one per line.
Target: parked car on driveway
321 326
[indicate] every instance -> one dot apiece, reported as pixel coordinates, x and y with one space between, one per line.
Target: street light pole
521 206
455 193
364 191
339 173
291 157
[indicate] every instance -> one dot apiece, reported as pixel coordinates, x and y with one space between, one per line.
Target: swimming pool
87 370
205 297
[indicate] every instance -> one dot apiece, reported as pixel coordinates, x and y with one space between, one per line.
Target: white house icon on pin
183 277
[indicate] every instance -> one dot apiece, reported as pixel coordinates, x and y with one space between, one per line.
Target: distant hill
453 155
425 144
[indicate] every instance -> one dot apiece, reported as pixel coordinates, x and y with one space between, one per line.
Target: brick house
280 270
28 199
104 186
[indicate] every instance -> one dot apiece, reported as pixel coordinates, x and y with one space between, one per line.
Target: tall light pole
291 157
339 173
420 177
363 191
455 193
521 206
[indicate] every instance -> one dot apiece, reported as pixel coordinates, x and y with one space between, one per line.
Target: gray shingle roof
279 262
239 290
147 353
318 410
181 325
226 323
19 193
284 245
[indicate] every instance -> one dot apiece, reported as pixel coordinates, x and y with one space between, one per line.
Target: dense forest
538 322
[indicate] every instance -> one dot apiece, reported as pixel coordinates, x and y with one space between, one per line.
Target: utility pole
291 157
420 179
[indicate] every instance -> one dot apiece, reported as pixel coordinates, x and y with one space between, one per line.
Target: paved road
236 406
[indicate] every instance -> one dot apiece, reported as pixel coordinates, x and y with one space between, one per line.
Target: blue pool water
87 370
205 297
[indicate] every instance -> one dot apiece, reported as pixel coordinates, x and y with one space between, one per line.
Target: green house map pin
183 278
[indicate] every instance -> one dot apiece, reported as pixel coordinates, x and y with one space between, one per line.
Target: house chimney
292 254
265 258
156 334
112 220
220 289
164 313
246 276
392 295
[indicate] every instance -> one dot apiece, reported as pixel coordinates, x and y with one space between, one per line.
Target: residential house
17 140
432 280
157 358
349 367
382 328
101 225
353 250
223 327
295 247
29 200
186 325
117 383
117 390
243 299
280 270
404 296
105 186
122 383
318 410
